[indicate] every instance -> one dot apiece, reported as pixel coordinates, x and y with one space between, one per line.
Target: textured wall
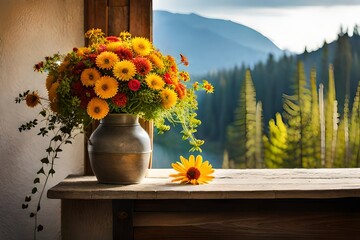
30 30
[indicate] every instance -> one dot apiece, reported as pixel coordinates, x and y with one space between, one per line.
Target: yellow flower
154 81
156 61
97 108
53 91
106 60
168 98
89 76
82 51
192 171
141 46
32 99
208 87
124 70
49 81
112 46
184 76
106 87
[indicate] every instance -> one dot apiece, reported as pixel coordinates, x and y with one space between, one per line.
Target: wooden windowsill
228 184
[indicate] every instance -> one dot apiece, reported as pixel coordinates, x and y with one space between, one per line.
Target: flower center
125 70
104 87
193 173
91 77
96 109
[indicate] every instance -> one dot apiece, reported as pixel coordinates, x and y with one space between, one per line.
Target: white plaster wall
29 31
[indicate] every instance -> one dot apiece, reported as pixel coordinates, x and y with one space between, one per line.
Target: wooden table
238 204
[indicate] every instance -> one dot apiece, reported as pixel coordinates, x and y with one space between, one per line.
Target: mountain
210 44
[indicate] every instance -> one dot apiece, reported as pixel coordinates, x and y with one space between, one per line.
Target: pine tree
242 133
354 133
322 125
315 121
330 120
342 66
342 141
275 145
297 112
258 137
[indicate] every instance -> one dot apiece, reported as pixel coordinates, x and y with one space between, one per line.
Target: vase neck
120 119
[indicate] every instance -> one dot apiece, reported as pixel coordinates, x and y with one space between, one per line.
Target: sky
291 24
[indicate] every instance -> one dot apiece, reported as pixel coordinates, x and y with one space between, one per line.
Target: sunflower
89 76
154 81
156 61
141 46
124 70
168 98
193 171
32 99
106 60
113 46
106 87
97 108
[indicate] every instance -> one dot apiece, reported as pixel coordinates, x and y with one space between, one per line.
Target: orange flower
184 60
32 99
180 90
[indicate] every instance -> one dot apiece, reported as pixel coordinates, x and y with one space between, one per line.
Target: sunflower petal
198 161
191 161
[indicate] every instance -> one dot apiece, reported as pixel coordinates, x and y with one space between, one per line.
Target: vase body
119 150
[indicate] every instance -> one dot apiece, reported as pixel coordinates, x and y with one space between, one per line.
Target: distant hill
210 44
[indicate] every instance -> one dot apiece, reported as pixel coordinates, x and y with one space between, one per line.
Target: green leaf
58 150
27 198
41 171
24 206
49 149
68 142
32 215
51 171
34 190
37 180
43 113
40 228
45 160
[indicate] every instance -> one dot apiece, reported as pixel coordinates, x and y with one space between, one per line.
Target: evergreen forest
294 111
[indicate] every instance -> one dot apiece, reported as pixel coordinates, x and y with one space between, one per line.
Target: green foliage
354 132
62 134
242 133
315 121
331 119
297 112
275 144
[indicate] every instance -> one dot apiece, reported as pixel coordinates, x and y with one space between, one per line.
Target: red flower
113 39
134 85
38 66
143 65
92 57
167 78
101 48
124 53
120 100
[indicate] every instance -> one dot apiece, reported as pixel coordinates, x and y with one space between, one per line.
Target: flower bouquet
115 74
